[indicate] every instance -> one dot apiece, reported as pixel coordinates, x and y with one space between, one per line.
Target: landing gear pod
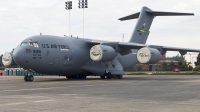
148 55
7 59
102 53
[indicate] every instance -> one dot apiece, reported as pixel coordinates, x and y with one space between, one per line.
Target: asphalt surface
137 93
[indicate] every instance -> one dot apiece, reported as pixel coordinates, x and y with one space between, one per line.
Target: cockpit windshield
33 44
24 43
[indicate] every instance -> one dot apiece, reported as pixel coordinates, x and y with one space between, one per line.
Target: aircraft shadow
148 78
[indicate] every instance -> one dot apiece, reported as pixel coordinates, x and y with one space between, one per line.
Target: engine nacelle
102 53
148 55
7 60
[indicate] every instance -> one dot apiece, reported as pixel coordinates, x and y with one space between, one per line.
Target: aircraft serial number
37 54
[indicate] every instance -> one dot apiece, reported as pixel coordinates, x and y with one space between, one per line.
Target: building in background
191 57
153 67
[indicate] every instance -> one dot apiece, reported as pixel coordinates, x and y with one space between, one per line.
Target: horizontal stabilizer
132 16
155 13
158 13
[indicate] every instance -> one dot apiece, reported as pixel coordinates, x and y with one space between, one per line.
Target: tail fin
141 31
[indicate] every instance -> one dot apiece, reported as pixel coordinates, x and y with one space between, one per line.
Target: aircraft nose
18 55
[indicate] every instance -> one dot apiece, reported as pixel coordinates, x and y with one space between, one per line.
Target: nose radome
18 56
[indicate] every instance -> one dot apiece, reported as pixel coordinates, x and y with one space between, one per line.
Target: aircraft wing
126 46
168 48
129 45
182 51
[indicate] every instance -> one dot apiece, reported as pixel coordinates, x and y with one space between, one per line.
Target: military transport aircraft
77 58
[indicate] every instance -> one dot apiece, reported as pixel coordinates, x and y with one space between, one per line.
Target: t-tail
145 18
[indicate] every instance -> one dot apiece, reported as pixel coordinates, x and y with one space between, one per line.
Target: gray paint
71 56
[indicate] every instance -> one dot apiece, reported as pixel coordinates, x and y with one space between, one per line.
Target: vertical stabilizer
141 31
145 18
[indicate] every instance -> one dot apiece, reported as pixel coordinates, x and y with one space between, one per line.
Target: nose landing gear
28 78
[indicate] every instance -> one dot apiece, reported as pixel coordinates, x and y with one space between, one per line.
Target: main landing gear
28 78
109 76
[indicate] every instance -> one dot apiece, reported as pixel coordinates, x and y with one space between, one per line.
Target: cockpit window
33 44
30 43
24 43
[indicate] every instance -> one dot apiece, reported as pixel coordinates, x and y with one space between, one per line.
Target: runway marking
68 94
9 104
28 89
79 97
79 86
193 84
41 101
22 96
19 103
50 83
190 81
95 81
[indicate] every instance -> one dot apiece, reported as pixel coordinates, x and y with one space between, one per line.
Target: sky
20 19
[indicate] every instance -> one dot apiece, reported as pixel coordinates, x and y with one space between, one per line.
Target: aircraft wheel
114 76
79 77
74 77
26 78
68 77
120 76
30 78
102 77
84 77
108 75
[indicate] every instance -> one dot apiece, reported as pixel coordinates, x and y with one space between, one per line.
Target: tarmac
135 93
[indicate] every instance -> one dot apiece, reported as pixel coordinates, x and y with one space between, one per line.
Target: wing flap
129 45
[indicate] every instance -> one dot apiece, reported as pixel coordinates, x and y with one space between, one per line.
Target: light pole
68 6
190 58
83 4
193 60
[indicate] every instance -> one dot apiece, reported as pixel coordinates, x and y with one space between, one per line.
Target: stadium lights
68 6
82 4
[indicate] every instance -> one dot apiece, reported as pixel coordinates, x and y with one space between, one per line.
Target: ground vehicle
176 70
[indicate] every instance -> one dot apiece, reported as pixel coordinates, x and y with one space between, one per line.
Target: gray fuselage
64 56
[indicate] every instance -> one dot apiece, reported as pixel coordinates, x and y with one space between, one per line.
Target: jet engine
7 59
102 53
148 55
